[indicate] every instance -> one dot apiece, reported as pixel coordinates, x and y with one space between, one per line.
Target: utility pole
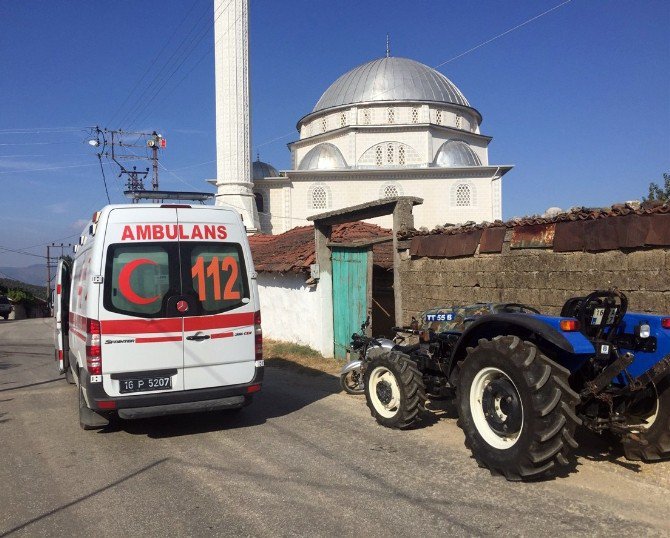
119 145
53 264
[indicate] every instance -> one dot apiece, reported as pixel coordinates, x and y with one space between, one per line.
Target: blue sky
578 100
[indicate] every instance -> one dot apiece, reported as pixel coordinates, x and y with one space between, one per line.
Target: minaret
233 139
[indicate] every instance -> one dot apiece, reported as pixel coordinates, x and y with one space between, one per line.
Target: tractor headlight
643 330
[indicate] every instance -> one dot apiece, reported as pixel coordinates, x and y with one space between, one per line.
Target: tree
659 192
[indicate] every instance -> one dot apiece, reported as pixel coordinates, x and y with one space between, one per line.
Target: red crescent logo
182 306
124 282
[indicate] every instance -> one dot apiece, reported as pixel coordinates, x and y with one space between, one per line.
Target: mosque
390 127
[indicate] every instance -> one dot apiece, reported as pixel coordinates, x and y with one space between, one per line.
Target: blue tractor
523 382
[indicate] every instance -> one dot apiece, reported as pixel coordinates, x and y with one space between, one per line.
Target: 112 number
213 271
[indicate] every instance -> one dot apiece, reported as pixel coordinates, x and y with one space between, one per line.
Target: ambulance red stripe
158 339
222 335
173 325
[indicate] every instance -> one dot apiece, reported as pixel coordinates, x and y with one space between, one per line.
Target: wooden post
321 238
403 219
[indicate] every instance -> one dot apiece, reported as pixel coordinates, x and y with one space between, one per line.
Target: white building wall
437 209
288 311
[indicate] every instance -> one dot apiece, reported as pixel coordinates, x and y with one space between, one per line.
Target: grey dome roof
262 170
454 153
322 157
390 79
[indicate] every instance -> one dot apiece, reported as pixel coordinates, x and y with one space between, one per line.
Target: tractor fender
523 325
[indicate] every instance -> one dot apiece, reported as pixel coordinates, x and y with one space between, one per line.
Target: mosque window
343 119
366 116
458 122
390 190
259 202
401 155
438 117
324 125
378 155
389 154
463 195
415 115
391 114
319 197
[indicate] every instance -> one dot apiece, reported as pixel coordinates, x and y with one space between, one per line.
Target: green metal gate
350 294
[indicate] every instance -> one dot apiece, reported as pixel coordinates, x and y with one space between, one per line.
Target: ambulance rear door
141 328
219 342
61 307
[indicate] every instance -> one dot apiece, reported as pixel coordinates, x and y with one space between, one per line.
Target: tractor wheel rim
496 408
384 392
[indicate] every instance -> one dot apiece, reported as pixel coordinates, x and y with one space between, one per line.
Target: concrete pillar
325 288
233 139
403 219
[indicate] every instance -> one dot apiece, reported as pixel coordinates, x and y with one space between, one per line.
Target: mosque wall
540 278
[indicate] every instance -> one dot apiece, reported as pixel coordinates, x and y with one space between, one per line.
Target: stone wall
539 278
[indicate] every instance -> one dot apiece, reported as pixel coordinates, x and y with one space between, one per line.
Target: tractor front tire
516 409
652 441
394 390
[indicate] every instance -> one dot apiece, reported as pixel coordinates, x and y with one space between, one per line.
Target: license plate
144 384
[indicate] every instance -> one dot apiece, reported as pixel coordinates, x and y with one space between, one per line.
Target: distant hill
9 284
32 274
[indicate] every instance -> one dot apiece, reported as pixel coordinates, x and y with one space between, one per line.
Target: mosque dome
455 153
325 156
262 170
390 79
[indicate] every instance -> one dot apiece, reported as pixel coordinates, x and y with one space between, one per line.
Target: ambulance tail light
258 334
93 348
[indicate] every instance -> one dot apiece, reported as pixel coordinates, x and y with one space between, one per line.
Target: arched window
391 115
438 117
260 207
319 197
458 122
366 116
378 155
389 153
463 195
415 115
343 119
401 155
324 124
390 189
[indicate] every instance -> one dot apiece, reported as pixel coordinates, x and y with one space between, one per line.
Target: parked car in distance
5 307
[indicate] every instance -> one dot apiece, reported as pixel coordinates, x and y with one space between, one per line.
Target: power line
104 179
41 130
503 34
143 101
21 252
153 62
144 105
45 168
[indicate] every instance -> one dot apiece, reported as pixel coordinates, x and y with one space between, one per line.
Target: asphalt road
303 459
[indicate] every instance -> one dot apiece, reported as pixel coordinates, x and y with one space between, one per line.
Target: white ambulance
162 313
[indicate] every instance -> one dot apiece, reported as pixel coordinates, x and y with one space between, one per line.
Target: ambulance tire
6 316
89 419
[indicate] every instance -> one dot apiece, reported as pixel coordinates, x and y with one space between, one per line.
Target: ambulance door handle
198 337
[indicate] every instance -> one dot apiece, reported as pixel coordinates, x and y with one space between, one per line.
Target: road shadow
603 447
284 391
28 385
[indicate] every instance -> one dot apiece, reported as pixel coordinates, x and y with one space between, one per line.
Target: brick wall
537 277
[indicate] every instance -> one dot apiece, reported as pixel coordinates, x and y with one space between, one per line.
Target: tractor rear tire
516 409
394 390
653 439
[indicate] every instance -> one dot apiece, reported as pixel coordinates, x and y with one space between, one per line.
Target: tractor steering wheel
607 301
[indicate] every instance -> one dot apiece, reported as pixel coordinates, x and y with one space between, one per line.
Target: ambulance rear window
218 275
137 279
